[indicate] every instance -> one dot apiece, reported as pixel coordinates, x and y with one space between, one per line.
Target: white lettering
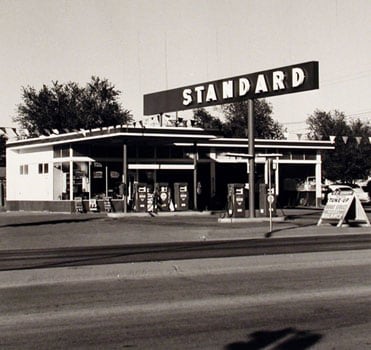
199 90
187 97
228 89
244 86
261 85
278 78
211 94
298 77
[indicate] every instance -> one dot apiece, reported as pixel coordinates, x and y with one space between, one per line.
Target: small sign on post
342 209
270 199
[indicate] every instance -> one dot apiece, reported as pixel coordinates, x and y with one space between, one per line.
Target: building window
23 169
43 168
61 151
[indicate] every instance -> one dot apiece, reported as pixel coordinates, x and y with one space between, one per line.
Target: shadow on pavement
283 339
47 222
296 225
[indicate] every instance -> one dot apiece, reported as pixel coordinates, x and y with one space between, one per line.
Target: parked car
366 186
347 189
362 195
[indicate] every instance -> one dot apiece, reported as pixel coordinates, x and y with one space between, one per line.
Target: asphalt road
289 301
78 256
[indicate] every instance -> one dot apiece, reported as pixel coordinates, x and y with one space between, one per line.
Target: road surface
316 300
78 256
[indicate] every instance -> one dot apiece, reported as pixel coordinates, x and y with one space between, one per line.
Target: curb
161 213
250 220
173 268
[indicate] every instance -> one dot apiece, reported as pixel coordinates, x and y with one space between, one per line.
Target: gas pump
236 200
140 197
163 196
181 196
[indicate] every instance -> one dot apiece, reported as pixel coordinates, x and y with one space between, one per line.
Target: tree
70 106
350 160
205 120
236 120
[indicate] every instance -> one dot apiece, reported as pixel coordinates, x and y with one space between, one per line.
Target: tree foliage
351 158
69 106
205 120
236 120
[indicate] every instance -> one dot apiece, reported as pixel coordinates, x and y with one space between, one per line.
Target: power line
345 78
366 114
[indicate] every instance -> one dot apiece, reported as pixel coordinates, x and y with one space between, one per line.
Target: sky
145 46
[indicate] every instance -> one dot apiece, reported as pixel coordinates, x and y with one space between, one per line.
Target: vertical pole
1 194
212 178
277 178
318 172
195 206
251 131
156 163
125 176
89 170
270 192
106 181
71 174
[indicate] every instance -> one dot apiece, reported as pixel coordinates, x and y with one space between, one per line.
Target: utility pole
251 136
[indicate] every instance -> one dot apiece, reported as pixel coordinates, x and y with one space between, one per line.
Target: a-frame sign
344 209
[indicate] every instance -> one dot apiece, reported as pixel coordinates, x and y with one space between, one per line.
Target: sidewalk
24 230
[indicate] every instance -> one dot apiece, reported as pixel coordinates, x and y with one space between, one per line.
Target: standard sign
279 81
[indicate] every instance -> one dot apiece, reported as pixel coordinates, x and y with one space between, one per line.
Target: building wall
30 174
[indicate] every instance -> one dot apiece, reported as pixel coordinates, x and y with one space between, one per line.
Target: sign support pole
125 176
270 193
195 155
251 137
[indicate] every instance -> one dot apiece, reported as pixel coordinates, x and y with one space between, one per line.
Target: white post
71 173
270 192
318 179
89 180
125 175
277 178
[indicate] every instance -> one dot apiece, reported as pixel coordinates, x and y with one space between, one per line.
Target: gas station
170 167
